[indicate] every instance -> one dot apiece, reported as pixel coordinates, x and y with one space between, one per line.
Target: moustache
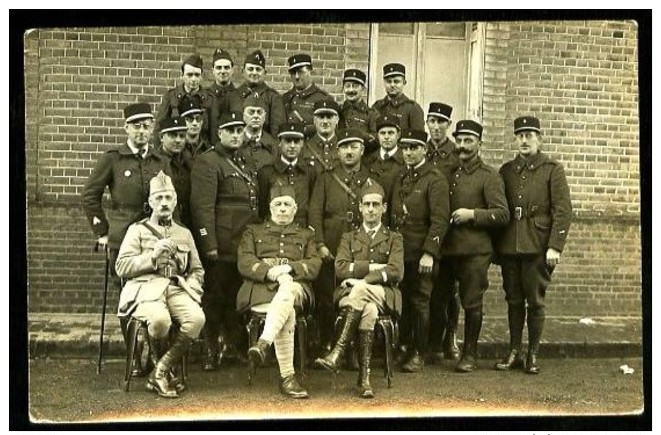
462 150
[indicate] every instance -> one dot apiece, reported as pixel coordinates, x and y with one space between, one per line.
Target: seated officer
278 261
370 261
164 277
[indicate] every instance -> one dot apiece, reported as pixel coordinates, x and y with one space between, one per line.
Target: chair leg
388 338
302 333
131 345
253 327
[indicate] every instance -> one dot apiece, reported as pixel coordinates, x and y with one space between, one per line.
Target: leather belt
275 261
534 210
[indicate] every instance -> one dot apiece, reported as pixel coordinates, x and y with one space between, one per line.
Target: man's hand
552 257
376 266
212 255
103 241
426 263
274 273
350 282
325 253
463 216
163 247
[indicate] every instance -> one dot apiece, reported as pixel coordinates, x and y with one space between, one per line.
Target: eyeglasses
196 118
146 125
251 111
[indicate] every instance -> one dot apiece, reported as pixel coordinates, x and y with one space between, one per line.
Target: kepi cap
299 60
387 121
137 111
327 105
159 183
172 124
413 137
256 58
355 75
440 110
254 100
189 105
394 69
468 126
524 123
292 129
229 119
350 135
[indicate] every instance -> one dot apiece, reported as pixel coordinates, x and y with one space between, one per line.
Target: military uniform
385 171
320 154
407 111
262 149
540 217
181 166
359 115
299 105
169 108
195 149
443 156
225 99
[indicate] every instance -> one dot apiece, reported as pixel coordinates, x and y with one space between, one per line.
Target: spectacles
146 125
196 118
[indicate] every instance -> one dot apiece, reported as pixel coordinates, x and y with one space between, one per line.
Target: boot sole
323 364
255 357
152 388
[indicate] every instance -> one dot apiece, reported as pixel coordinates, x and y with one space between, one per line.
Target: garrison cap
440 110
327 105
192 60
256 58
221 53
299 60
468 126
137 111
524 123
394 69
370 187
355 75
167 125
278 190
350 135
190 105
160 182
387 121
254 100
292 129
230 119
413 138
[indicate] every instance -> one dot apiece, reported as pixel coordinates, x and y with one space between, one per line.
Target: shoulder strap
153 230
243 175
318 157
342 185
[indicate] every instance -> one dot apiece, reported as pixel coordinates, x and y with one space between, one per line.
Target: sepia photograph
422 220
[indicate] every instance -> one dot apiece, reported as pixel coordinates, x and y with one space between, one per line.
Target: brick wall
579 77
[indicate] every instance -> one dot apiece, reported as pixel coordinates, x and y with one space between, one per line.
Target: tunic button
282 236
519 196
371 261
282 252
371 249
456 175
523 176
282 244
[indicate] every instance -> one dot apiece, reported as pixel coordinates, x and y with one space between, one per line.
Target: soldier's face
231 137
290 147
283 210
253 74
139 132
223 69
163 203
254 117
388 137
394 85
173 142
528 142
438 128
192 77
194 124
325 123
350 153
353 91
301 77
413 153
468 146
372 208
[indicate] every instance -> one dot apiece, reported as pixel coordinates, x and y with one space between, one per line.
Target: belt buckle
349 216
518 213
284 261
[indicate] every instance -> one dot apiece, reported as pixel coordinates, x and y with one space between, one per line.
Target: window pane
396 28
447 30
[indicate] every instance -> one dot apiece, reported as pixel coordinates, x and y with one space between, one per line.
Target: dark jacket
299 105
225 99
320 154
263 151
169 108
407 111
181 166
275 108
443 157
385 172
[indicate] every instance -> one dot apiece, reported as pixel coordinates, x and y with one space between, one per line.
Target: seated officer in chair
279 261
164 277
370 261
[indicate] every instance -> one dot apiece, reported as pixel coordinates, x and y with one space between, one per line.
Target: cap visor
139 116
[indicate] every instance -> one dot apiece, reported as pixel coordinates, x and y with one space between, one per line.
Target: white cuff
385 276
351 267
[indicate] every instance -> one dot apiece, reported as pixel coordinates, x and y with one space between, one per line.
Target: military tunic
225 99
385 172
299 176
180 170
444 157
263 150
320 154
405 110
275 108
357 251
169 108
359 115
299 105
266 245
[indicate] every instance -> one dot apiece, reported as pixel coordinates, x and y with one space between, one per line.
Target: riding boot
365 357
472 327
516 316
450 348
416 361
350 319
535 328
157 347
212 349
159 377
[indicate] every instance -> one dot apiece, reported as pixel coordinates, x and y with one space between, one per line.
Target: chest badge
127 173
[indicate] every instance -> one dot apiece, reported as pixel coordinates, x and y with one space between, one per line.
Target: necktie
371 233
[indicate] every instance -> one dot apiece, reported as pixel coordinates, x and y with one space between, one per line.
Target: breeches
471 271
174 304
368 299
525 279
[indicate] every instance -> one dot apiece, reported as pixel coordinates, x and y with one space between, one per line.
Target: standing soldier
477 205
334 211
256 142
301 98
409 114
126 171
441 151
191 84
355 113
387 163
224 92
529 249
223 202
254 70
288 170
320 151
173 146
420 211
191 110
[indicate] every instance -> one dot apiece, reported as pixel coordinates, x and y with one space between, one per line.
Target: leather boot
157 347
365 357
353 356
350 319
472 327
449 346
516 316
159 379
138 370
257 352
535 328
416 361
212 357
289 386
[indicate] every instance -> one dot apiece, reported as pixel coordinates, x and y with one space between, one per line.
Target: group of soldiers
252 200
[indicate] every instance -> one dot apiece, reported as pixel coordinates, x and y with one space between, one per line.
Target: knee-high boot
472 327
366 340
350 317
159 377
535 329
450 348
516 317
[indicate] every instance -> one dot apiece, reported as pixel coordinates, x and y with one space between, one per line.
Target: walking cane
105 300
